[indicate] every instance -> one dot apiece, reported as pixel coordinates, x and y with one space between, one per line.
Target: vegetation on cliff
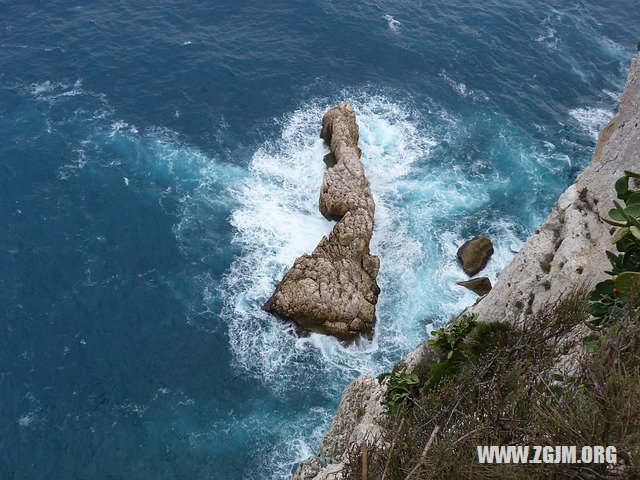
495 383
500 387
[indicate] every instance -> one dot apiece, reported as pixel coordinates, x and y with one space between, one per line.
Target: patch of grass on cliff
502 387
471 349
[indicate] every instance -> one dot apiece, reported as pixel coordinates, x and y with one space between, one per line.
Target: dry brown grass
503 391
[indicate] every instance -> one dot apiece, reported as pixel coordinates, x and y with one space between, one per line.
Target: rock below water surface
333 290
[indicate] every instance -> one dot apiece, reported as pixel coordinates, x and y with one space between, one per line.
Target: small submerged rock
474 254
480 285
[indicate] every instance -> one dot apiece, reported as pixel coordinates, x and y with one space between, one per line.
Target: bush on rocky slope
497 384
501 388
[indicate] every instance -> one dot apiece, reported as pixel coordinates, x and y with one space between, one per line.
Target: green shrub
447 338
400 387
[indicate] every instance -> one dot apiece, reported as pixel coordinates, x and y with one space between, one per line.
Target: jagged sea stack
334 290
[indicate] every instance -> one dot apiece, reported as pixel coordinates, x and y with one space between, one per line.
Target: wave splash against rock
334 290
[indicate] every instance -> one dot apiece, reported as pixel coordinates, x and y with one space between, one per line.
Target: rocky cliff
334 290
566 253
568 250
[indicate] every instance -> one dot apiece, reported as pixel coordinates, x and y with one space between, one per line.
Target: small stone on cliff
480 285
474 254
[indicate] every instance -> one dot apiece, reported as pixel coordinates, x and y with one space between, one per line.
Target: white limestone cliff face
568 250
566 253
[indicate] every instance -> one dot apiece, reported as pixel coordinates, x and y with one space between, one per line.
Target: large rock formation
334 290
565 253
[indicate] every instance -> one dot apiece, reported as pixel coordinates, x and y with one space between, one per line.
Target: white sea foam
133 408
550 159
27 420
462 89
278 220
394 25
32 417
43 87
592 119
549 34
68 169
616 96
119 125
51 91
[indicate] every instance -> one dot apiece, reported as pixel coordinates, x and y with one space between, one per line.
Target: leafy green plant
446 339
400 387
607 304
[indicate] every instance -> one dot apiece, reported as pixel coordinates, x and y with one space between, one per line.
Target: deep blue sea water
159 171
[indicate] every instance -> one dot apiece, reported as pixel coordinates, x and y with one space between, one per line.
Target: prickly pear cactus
609 298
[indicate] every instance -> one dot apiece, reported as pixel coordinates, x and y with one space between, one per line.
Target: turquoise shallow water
159 171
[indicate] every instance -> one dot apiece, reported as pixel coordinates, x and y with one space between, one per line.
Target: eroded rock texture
334 290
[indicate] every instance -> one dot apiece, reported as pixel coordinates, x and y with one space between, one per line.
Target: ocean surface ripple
160 172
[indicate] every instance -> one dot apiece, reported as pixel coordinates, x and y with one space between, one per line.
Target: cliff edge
568 250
